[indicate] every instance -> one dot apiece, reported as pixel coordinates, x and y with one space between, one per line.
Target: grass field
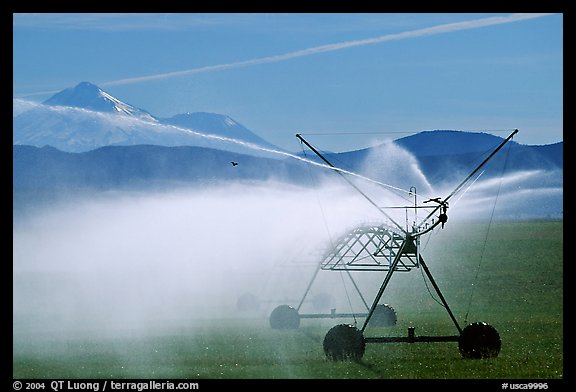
510 277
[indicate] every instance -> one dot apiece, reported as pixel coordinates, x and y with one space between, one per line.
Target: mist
131 260
529 194
114 262
138 260
389 163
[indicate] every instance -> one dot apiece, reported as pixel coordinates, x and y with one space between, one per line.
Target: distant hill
445 156
48 172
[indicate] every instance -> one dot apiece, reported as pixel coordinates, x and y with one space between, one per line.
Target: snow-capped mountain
86 117
216 124
89 96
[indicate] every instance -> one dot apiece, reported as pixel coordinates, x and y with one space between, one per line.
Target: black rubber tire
479 340
284 317
383 316
344 342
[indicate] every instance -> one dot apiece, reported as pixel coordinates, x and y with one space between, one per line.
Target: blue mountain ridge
444 155
47 169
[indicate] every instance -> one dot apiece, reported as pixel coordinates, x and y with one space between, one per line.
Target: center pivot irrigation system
391 248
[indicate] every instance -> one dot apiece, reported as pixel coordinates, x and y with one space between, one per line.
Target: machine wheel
479 340
284 317
383 316
344 342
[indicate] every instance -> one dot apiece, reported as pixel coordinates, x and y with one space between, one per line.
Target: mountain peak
449 142
87 85
86 95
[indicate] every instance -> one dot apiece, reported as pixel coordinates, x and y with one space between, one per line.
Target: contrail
439 29
445 28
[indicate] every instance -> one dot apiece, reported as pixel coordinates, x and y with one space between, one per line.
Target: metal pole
384 284
309 286
440 294
415 204
356 287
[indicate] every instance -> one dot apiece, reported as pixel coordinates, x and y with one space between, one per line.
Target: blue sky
345 79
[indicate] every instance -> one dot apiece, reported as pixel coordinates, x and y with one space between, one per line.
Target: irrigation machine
389 247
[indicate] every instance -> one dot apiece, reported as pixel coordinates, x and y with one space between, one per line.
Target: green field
510 277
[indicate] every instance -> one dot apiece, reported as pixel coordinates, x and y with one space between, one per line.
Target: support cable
324 220
485 242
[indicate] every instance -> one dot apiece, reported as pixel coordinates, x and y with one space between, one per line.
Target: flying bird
234 163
